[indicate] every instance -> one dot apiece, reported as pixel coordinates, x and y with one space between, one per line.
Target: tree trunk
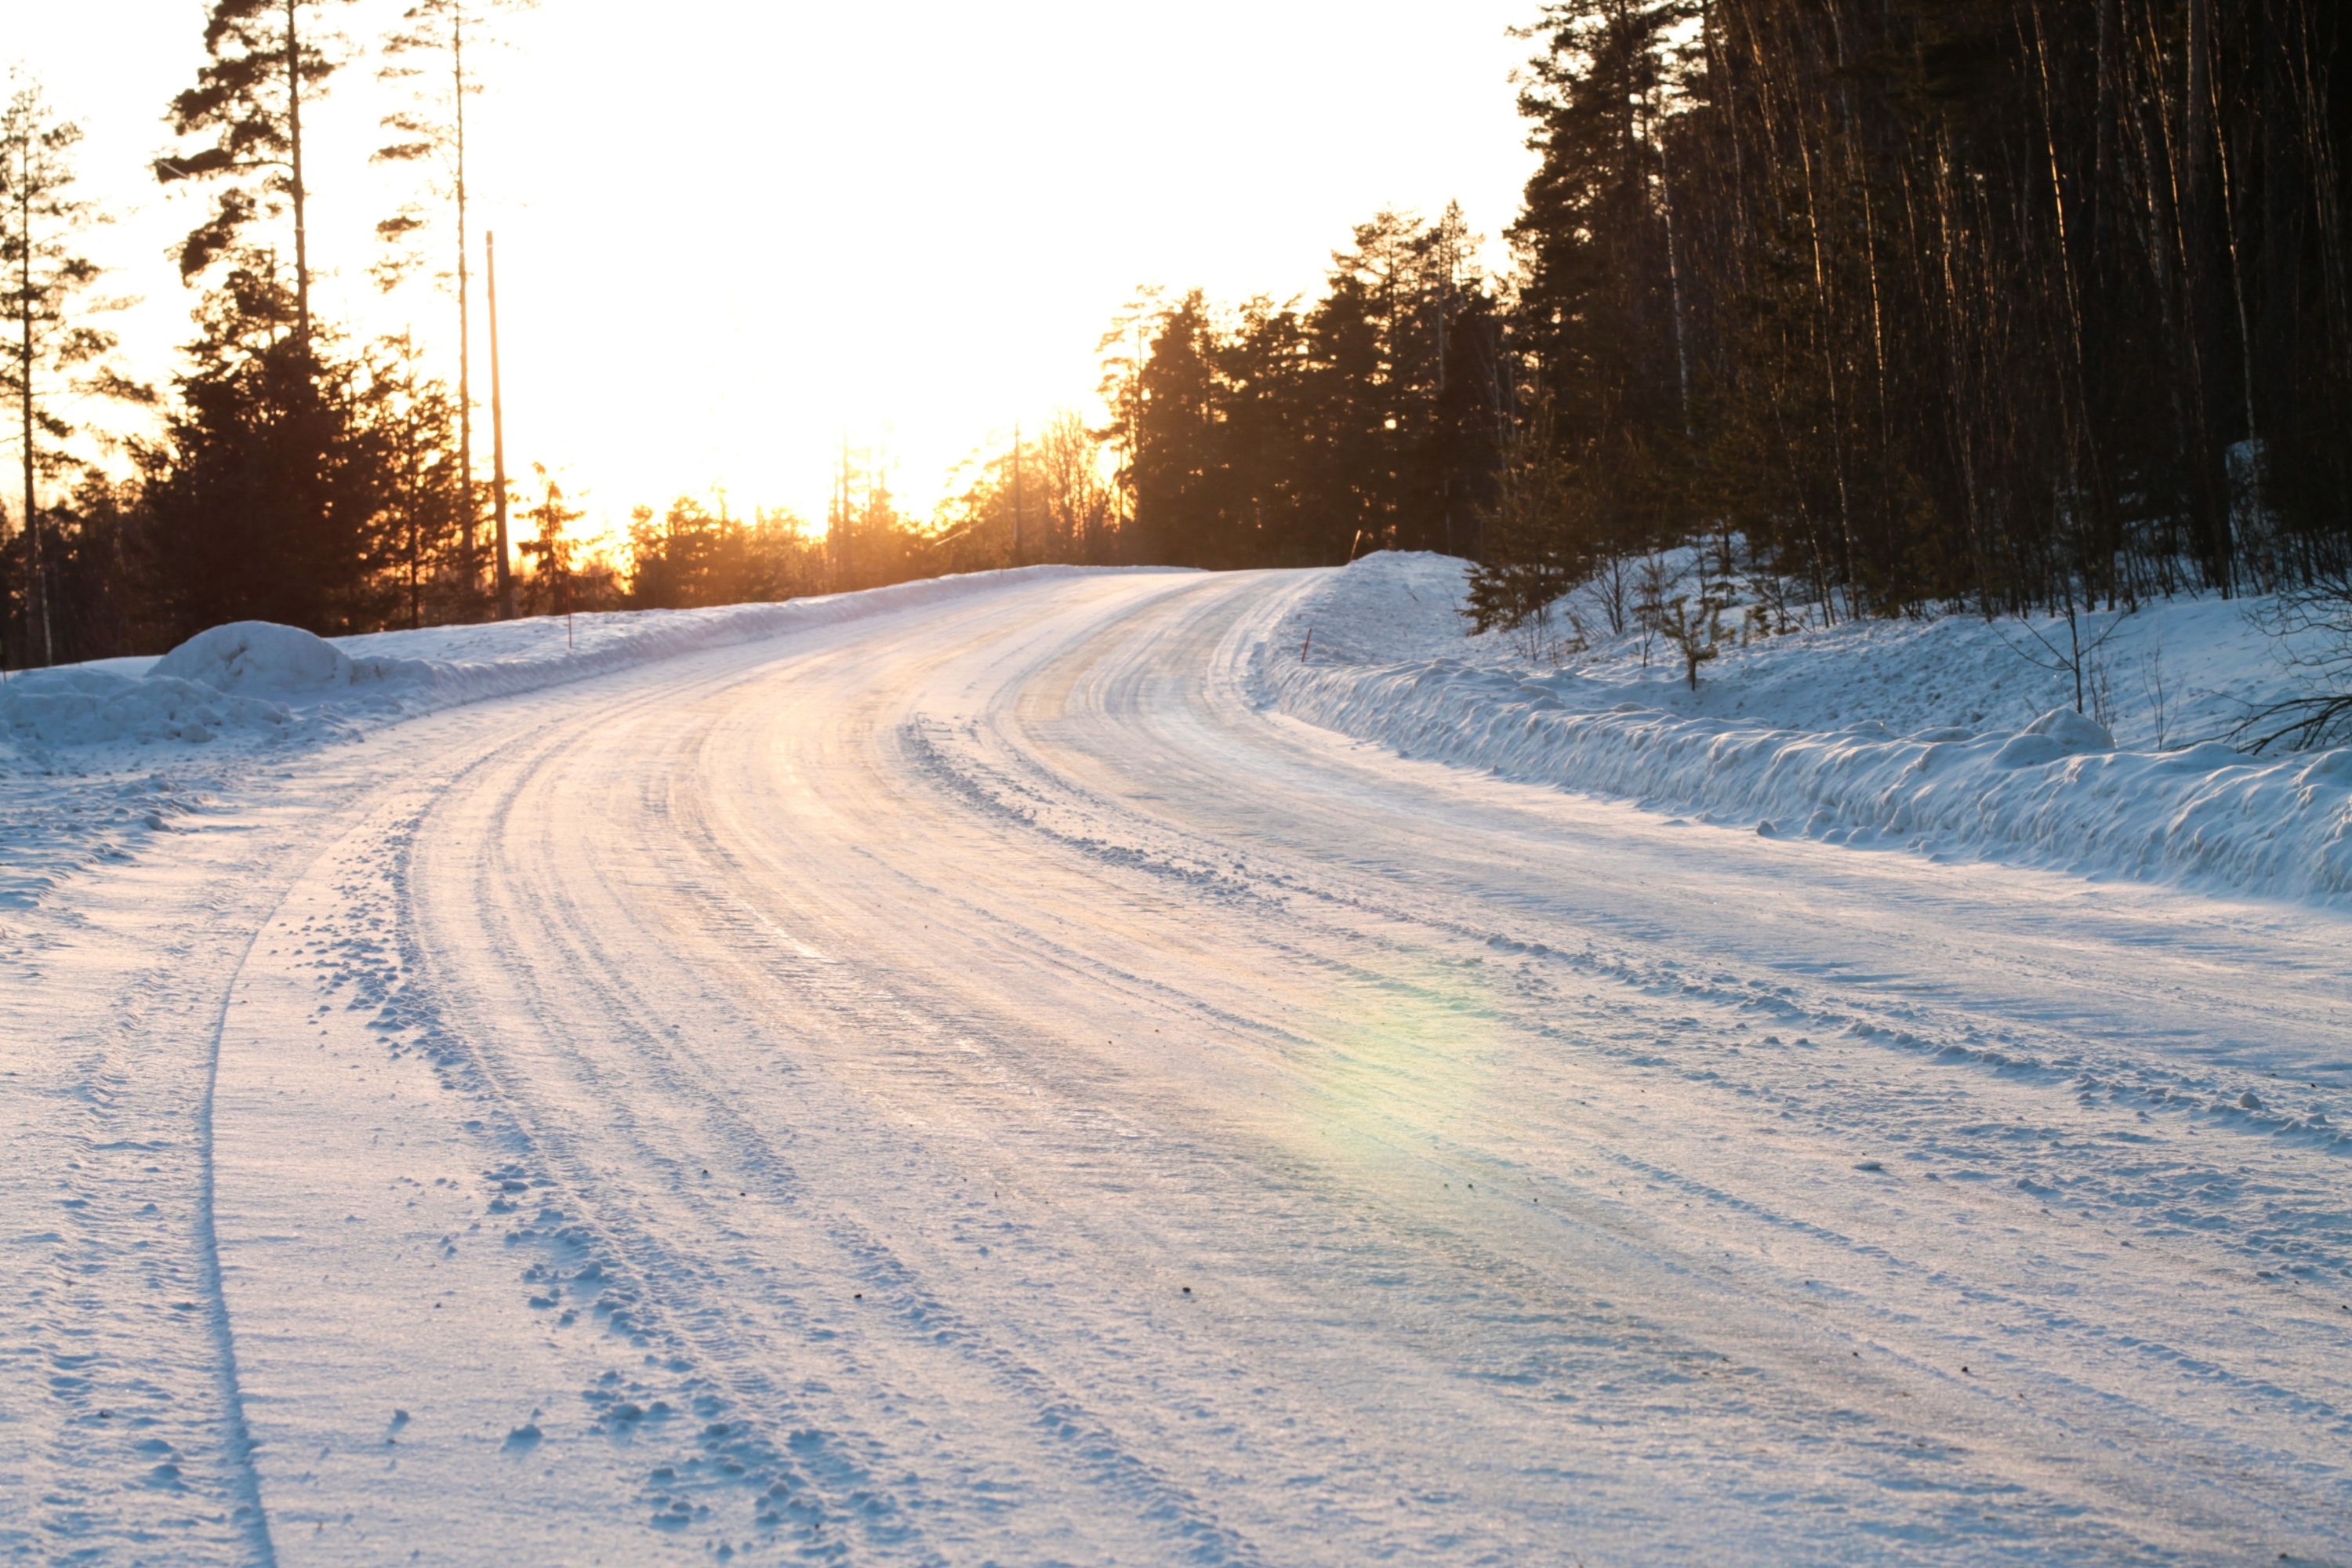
498 437
2229 220
294 135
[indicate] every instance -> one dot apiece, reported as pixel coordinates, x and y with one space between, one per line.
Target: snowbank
80 707
256 679
1389 663
249 677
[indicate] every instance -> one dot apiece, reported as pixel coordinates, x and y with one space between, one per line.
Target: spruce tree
1540 541
1592 242
1176 514
410 419
267 491
551 548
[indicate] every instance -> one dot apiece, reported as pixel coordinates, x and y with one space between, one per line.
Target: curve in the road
972 1086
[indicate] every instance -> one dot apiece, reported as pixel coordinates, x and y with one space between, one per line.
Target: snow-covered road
970 1085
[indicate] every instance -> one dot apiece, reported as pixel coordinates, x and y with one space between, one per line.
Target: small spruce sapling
551 551
1696 627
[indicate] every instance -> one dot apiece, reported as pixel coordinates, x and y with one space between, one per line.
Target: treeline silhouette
1911 303
1282 434
1897 305
289 473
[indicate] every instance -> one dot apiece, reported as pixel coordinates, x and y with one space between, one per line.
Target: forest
1890 307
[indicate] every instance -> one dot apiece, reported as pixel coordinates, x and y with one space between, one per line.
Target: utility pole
464 323
1016 492
841 533
498 435
37 576
36 601
1135 444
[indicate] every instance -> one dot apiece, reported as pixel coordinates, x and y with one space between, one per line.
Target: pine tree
1123 351
55 351
1178 516
247 99
435 53
1260 504
1598 316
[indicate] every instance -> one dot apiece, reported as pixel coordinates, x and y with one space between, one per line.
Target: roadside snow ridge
2056 791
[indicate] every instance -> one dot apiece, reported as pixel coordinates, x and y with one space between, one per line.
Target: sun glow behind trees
731 235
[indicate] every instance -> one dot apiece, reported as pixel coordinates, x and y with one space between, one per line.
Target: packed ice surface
95 759
256 679
966 1074
1944 736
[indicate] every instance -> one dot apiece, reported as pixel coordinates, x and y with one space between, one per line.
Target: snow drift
82 707
2053 791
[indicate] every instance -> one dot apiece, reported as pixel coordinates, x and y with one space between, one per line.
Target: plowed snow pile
1939 736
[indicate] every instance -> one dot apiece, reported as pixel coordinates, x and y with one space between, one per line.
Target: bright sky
731 235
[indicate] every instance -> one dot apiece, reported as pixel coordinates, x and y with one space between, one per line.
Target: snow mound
2061 732
2055 790
263 658
2072 733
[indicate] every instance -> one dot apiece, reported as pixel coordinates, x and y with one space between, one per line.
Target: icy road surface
967 1086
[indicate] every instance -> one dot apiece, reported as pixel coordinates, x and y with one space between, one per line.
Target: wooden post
498 433
35 603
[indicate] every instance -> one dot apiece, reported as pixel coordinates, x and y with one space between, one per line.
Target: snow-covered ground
970 1075
1946 737
95 758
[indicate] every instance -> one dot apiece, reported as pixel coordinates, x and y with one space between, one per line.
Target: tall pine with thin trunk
434 54
246 102
57 355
